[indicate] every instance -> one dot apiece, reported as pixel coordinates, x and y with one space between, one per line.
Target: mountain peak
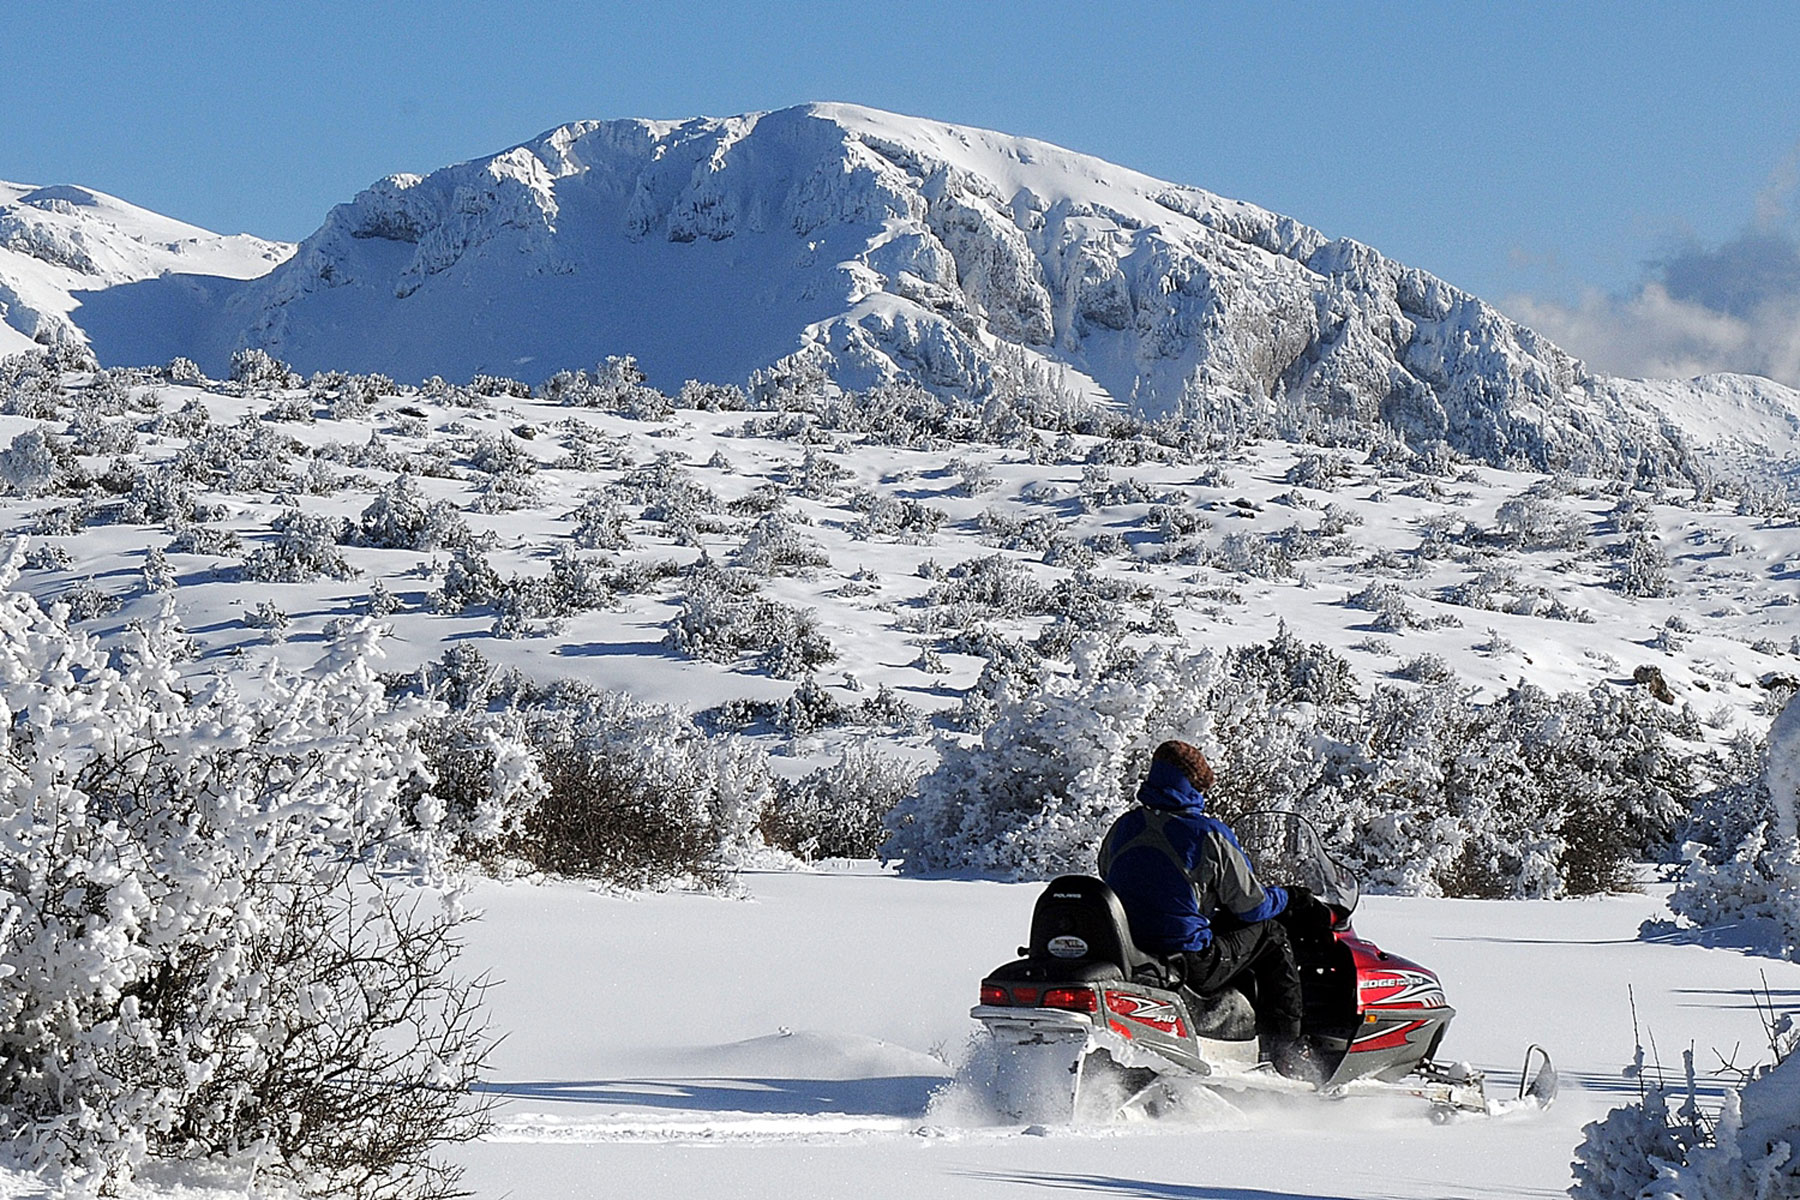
870 247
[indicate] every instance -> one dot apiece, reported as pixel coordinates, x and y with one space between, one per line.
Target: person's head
1188 760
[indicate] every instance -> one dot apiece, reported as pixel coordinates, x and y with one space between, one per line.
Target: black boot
1293 1058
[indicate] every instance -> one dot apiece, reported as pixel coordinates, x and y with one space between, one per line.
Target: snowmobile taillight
993 993
1073 999
1025 995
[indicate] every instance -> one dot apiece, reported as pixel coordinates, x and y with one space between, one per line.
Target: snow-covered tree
1751 878
205 947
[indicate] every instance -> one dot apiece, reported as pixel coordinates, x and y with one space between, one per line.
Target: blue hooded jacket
1175 868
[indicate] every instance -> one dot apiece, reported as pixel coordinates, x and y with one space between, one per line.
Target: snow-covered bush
1034 796
1253 554
254 368
899 517
1531 522
1750 875
198 955
1388 602
639 795
600 525
183 370
399 518
722 618
1749 1151
32 463
1532 795
1643 567
778 545
158 575
304 548
270 618
838 810
1421 790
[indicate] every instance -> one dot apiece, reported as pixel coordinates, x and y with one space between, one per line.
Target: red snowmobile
1084 1023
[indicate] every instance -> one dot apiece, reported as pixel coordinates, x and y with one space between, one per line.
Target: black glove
1307 911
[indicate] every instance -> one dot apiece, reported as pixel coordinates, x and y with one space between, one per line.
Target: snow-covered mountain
66 254
871 247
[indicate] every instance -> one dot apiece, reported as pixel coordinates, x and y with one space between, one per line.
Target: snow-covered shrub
639 795
1253 554
1645 1151
305 547
996 585
777 545
86 600
500 454
817 477
838 810
196 956
722 618
1388 602
254 368
1325 472
600 525
1749 874
380 602
203 539
1034 796
899 517
486 779
669 494
807 709
32 463
1291 671
399 518
158 498
1531 522
1532 795
270 618
1098 490
1643 568
1426 668
710 397
184 371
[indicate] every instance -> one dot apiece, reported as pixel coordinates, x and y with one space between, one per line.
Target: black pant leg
1262 952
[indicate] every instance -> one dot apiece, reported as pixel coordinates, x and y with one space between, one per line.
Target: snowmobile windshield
1285 849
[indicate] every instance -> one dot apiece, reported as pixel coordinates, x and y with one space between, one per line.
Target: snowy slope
61 245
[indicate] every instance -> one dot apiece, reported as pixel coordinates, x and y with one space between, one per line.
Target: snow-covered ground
790 1042
792 1039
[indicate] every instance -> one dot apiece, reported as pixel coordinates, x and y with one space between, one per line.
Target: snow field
646 1054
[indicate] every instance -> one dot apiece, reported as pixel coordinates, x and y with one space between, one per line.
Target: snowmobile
1084 1024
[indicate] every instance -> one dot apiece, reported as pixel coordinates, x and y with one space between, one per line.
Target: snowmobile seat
1078 919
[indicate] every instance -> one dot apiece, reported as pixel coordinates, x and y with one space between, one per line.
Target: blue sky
1578 163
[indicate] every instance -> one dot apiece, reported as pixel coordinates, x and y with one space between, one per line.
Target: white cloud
1653 334
1730 307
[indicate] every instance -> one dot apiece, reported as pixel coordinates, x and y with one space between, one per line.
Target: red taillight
993 994
1025 995
1073 999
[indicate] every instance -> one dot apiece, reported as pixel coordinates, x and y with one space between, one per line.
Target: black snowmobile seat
1079 919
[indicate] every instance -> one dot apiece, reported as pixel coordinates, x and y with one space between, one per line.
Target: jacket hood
1168 787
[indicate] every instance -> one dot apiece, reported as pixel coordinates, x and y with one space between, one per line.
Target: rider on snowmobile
1192 898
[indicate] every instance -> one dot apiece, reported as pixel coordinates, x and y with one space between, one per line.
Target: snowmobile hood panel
1388 981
